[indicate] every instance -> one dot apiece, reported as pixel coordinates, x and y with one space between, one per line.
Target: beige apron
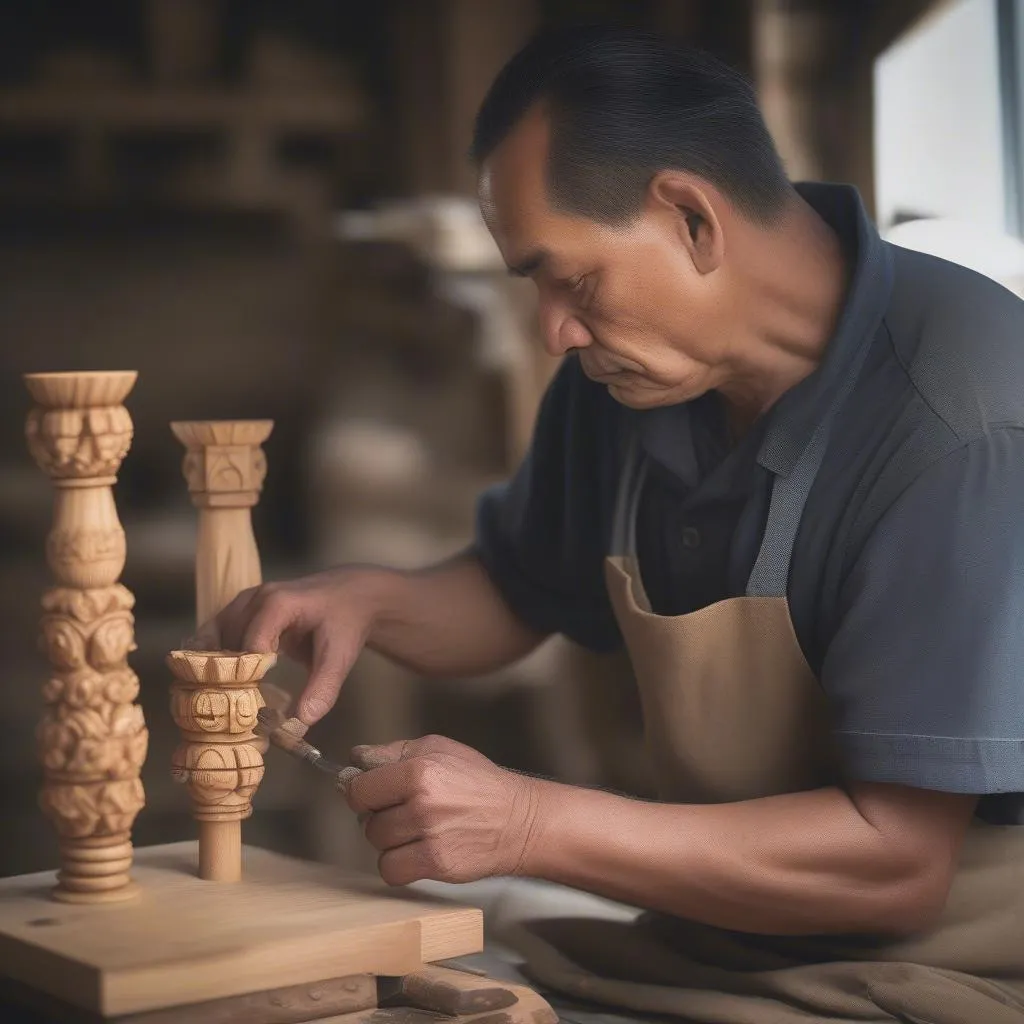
733 712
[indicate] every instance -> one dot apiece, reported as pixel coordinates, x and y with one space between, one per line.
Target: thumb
369 756
206 638
332 662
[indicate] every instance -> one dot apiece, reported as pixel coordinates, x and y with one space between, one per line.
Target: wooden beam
445 54
478 40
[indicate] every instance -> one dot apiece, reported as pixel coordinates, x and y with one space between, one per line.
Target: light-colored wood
225 468
186 941
92 738
215 700
220 850
293 1004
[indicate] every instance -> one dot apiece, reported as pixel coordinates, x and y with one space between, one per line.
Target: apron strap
627 501
770 575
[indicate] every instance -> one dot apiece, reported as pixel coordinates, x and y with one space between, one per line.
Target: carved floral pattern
108 741
82 443
88 605
97 630
104 808
92 738
91 730
87 688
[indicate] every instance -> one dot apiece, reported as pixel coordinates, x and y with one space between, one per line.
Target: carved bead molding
224 464
92 738
215 699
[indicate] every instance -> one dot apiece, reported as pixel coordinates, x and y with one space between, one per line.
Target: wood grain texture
225 467
448 992
523 1006
92 737
215 700
296 1004
187 941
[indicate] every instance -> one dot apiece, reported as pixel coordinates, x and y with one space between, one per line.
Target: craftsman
782 463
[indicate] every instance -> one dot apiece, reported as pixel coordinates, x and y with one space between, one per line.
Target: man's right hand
322 621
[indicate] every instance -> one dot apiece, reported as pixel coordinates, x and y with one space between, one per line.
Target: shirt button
691 537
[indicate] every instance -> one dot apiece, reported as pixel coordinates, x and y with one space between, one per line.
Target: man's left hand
439 810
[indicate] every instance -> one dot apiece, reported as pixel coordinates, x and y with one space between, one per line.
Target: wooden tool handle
451 992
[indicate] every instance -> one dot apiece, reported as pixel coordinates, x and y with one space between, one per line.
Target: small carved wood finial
215 699
92 738
225 468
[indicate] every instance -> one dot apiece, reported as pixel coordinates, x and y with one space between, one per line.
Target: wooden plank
295 1004
188 941
446 991
156 109
432 995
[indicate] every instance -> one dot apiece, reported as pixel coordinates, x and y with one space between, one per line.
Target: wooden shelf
152 109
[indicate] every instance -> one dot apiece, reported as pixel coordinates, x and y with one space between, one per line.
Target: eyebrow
530 264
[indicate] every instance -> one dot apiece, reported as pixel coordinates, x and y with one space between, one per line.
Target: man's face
647 319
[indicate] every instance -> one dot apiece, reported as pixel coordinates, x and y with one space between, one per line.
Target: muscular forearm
449 620
809 863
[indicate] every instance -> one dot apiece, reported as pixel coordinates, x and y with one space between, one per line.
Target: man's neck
795 279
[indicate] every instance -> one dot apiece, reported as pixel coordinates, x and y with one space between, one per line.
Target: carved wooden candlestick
92 738
225 468
214 700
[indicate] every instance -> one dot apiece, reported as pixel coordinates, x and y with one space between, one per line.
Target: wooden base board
184 940
435 994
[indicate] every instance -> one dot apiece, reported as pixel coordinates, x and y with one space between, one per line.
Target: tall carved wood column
225 468
216 695
92 738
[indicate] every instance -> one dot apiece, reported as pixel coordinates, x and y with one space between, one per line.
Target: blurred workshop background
264 207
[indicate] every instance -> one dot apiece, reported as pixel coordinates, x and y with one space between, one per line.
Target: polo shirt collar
794 417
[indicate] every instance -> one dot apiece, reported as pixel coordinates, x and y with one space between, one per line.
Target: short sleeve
542 535
926 669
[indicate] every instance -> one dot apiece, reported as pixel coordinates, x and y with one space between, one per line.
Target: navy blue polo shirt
906 585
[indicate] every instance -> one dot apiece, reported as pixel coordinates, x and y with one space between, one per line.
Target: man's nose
561 332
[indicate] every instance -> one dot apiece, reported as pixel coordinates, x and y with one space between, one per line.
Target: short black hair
625 104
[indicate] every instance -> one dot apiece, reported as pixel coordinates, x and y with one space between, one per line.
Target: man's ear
699 228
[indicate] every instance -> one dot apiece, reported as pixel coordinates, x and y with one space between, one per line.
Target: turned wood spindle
215 698
92 738
225 468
